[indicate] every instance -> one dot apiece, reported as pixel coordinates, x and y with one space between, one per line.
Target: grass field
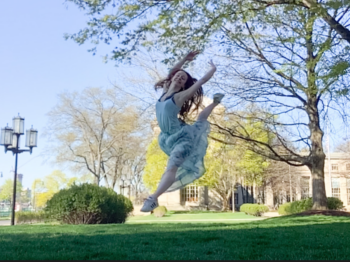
178 216
288 238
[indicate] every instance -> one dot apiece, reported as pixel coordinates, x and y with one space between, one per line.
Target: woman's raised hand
212 65
191 55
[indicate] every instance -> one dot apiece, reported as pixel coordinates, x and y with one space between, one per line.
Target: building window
347 166
348 189
335 167
336 187
305 187
190 194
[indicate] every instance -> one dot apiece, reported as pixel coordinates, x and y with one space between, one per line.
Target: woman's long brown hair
195 100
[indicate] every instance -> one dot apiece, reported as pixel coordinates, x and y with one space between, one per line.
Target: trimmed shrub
301 205
160 211
284 209
89 204
23 217
306 204
334 203
254 209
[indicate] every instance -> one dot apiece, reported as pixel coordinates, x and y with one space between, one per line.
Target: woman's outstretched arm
183 96
189 57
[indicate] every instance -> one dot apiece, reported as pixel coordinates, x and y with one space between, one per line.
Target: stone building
337 182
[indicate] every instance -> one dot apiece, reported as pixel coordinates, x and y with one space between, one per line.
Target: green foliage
156 161
160 211
254 209
284 209
89 204
44 189
6 190
334 203
301 205
306 204
24 217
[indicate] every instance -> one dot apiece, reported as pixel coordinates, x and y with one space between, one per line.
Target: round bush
160 211
89 204
334 203
254 209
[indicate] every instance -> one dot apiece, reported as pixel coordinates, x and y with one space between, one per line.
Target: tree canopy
289 56
180 24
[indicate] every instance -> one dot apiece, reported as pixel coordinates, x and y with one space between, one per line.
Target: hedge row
254 209
295 207
24 217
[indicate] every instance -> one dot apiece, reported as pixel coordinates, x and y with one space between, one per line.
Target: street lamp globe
31 138
18 125
6 136
14 141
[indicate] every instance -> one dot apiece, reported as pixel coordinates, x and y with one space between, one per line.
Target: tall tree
93 131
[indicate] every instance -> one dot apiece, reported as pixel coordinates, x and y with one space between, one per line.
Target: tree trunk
318 186
233 201
317 158
96 180
247 194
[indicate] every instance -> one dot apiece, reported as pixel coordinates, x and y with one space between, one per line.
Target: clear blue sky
36 64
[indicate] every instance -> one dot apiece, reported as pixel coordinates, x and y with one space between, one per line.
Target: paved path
271 214
5 222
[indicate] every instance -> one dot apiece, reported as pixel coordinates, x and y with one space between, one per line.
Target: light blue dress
185 145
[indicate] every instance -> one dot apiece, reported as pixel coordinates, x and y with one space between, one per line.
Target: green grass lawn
288 238
197 216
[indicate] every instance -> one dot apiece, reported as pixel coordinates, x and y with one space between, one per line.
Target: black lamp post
123 179
10 138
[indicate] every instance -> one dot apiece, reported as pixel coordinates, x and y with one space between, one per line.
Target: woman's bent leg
206 112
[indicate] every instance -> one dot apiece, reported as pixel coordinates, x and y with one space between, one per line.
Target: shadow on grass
288 238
